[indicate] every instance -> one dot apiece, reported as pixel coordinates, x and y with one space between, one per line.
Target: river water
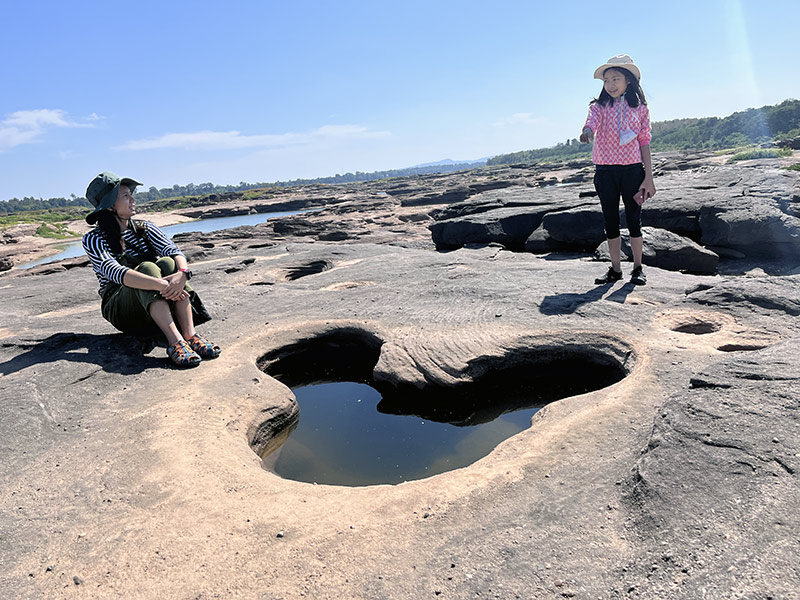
74 248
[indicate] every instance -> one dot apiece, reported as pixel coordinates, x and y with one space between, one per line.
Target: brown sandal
182 354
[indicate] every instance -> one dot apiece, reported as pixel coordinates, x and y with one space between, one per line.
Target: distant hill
751 126
447 162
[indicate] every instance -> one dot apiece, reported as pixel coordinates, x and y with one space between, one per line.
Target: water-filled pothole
353 430
343 438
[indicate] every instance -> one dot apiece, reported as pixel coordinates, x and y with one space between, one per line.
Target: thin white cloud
27 126
233 140
518 119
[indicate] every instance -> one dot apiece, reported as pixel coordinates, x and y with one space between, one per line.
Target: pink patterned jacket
602 120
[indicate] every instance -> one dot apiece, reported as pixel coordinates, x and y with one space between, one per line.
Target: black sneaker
610 277
638 277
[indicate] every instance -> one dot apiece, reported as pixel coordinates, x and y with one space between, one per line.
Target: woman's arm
103 262
140 281
177 280
648 185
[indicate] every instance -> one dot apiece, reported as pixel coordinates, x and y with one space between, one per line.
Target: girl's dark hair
109 226
634 95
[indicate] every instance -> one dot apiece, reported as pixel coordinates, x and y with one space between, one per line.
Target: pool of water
343 438
353 430
73 249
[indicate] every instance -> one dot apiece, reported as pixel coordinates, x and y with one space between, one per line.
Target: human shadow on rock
621 294
566 304
114 353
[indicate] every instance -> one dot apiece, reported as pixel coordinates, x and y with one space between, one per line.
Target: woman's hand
587 136
174 287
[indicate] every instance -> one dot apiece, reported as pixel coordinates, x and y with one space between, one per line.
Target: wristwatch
186 272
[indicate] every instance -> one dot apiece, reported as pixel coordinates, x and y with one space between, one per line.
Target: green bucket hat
103 190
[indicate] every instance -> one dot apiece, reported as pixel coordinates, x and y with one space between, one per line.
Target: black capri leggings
613 181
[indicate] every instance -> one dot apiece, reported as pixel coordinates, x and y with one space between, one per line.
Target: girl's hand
647 190
587 136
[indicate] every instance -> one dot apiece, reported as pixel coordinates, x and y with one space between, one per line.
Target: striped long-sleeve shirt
138 247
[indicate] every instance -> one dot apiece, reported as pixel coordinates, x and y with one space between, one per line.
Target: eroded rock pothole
695 322
353 430
719 331
308 268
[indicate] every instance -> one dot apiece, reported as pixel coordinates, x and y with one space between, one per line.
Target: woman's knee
633 219
149 268
167 265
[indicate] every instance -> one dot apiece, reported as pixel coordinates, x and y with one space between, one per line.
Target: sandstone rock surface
679 481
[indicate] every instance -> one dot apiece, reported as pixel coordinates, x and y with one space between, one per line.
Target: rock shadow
114 353
529 377
345 354
309 268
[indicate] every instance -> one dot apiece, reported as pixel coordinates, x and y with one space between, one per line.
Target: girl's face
125 206
614 83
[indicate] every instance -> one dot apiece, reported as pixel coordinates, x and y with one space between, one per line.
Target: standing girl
619 121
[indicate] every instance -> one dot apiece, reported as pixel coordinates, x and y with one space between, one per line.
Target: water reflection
342 439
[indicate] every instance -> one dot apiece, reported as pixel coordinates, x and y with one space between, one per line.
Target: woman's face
125 206
614 83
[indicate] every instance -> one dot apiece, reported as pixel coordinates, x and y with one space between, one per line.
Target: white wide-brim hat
620 60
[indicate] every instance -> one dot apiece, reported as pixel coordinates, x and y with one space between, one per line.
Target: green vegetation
171 203
742 129
54 230
794 167
42 216
752 126
760 153
260 193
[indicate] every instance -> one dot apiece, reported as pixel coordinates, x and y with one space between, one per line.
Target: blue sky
179 92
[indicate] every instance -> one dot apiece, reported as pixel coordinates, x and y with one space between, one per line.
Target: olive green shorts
127 308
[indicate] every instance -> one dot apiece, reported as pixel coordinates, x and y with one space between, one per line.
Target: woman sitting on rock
143 275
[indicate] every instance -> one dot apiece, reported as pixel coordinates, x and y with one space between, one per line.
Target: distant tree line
752 126
562 151
202 189
29 203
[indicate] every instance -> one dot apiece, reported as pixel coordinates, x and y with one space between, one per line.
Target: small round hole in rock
696 327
